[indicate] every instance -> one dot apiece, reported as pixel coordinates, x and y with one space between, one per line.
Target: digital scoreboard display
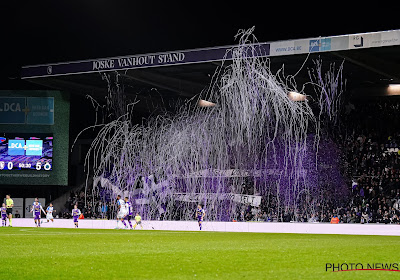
26 152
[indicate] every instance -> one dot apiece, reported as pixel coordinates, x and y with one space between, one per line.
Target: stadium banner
279 48
288 47
27 110
374 39
40 110
12 110
335 43
237 173
304 46
304 228
253 200
139 61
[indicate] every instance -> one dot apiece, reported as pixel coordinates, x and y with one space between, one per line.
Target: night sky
51 31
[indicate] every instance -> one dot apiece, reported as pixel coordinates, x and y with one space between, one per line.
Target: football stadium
258 157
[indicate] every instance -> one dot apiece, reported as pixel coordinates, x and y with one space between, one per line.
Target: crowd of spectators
372 160
93 204
370 145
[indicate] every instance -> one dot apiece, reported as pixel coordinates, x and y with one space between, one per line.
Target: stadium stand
370 143
371 160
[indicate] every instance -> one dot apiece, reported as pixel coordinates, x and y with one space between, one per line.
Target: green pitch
43 253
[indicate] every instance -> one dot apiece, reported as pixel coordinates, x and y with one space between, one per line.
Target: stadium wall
309 228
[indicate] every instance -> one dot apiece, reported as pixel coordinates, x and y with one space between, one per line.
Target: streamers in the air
254 148
328 88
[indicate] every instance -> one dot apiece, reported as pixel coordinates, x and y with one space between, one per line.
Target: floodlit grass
44 253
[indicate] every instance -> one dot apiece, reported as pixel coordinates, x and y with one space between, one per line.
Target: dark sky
44 32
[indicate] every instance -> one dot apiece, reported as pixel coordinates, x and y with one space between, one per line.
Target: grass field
43 253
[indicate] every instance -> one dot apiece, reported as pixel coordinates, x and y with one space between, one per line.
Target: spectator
334 219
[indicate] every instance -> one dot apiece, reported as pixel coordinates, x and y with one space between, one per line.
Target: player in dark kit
200 213
36 212
75 214
3 215
129 212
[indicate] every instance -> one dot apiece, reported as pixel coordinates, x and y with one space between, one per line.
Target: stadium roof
371 61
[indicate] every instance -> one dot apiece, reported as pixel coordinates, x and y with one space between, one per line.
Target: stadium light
295 96
393 89
205 103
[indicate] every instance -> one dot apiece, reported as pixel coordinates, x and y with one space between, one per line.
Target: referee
9 206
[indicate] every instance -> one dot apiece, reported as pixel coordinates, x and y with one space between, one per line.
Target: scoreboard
24 151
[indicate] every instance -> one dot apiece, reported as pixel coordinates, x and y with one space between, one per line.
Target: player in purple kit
75 214
36 208
3 215
200 213
129 213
